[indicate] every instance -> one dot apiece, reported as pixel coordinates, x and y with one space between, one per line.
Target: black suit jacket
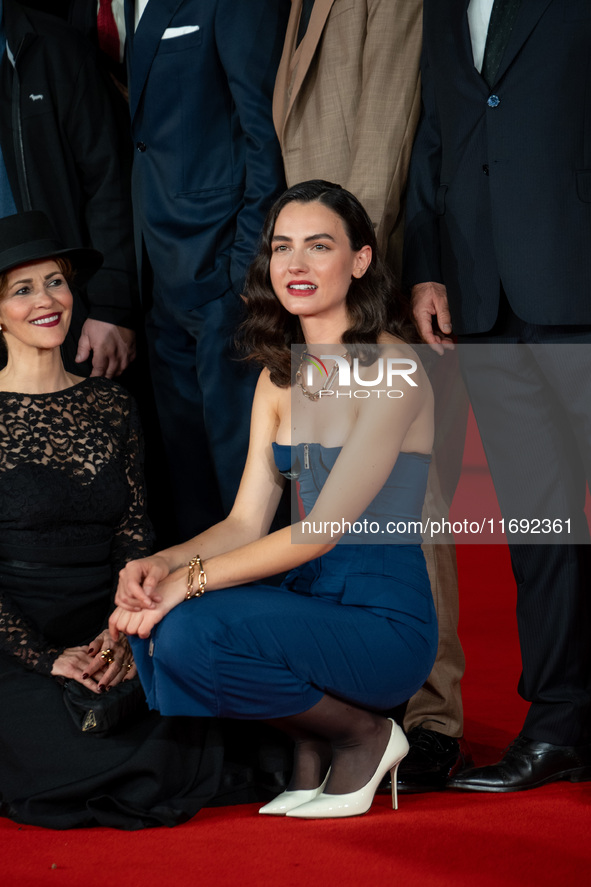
500 179
60 147
82 15
208 163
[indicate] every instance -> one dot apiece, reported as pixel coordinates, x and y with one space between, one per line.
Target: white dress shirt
478 18
140 5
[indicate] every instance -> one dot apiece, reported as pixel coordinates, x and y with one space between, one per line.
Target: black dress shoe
528 764
432 759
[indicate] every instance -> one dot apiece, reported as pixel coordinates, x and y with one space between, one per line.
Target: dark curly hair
374 304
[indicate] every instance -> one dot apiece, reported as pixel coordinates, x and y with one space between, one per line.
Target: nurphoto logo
388 370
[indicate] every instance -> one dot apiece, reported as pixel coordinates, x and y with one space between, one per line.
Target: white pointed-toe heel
355 803
286 801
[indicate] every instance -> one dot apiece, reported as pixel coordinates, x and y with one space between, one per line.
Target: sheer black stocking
334 732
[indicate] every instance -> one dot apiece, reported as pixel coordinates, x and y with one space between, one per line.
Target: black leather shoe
432 759
528 764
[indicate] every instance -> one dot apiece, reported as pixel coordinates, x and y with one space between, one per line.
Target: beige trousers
438 704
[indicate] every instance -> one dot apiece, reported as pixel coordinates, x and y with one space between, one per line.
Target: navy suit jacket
207 163
500 178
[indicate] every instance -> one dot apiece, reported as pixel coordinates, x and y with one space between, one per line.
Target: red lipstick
47 320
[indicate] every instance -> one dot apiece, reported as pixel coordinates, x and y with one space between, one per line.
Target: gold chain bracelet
201 578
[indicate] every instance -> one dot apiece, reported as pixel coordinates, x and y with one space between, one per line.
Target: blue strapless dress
357 623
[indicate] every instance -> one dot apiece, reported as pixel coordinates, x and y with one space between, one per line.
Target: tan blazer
347 102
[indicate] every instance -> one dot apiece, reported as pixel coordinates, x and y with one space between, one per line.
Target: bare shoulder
267 392
271 403
264 383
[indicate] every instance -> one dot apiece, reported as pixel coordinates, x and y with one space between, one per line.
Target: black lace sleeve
133 536
20 640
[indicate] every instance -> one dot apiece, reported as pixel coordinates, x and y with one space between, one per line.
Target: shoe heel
394 782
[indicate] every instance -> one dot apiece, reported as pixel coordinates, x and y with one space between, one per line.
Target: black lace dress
71 514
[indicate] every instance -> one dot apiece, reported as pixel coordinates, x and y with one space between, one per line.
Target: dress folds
71 514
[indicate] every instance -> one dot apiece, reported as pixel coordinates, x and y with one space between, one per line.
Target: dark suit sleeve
421 238
249 37
94 145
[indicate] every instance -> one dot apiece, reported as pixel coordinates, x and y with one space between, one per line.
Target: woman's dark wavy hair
374 303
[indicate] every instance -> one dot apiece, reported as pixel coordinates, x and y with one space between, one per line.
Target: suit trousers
438 704
203 395
529 388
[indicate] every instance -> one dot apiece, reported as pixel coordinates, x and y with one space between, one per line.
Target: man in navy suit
207 166
498 252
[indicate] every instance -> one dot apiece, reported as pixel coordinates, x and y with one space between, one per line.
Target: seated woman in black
352 630
71 515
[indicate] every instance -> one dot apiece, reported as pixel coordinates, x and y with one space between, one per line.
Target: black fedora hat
29 236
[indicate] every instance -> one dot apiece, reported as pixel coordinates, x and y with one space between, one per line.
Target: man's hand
429 300
113 347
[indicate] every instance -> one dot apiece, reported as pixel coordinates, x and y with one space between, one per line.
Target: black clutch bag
105 713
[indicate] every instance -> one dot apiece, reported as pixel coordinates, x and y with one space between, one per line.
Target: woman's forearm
266 556
256 560
225 536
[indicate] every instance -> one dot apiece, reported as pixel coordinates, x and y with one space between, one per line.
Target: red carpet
451 839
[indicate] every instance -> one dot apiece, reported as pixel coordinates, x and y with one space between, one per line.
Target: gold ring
107 656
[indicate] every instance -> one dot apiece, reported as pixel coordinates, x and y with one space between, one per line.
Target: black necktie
502 19
304 19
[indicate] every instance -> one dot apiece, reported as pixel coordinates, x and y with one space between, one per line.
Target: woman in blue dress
351 631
